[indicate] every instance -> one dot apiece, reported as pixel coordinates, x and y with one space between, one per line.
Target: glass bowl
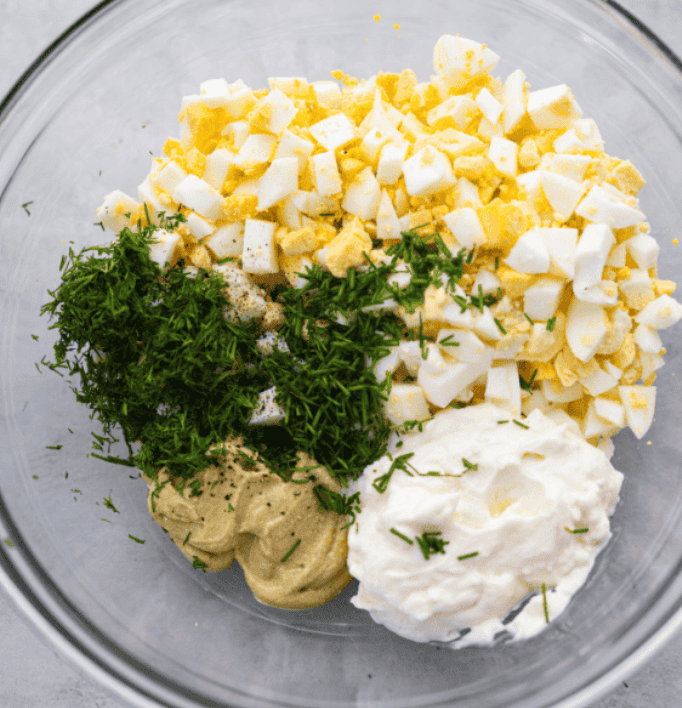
138 618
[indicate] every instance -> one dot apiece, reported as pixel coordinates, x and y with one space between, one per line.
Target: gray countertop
31 675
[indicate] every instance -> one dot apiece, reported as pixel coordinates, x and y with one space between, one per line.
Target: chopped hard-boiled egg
558 278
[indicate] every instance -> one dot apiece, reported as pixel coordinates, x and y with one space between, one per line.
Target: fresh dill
430 544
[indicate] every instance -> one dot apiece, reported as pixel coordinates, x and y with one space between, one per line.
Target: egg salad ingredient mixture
310 285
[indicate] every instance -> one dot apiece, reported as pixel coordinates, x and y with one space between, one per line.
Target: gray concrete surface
31 675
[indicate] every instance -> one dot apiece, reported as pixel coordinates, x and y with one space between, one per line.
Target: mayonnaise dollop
512 493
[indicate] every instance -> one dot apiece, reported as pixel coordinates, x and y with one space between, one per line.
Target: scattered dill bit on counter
198 563
544 602
291 550
110 505
25 206
137 540
34 337
54 447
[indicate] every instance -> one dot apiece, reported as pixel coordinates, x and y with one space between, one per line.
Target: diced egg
484 325
591 253
406 401
466 227
661 313
326 174
239 131
259 254
427 171
466 194
169 177
503 387
458 60
163 247
388 225
489 105
602 207
226 240
198 195
586 328
462 344
561 243
362 195
503 154
113 211
647 339
529 254
292 145
442 388
514 100
215 93
256 151
644 249
593 426
198 227
598 382
563 193
279 109
333 132
541 299
391 160
280 180
486 281
267 410
554 392
639 403
553 107
610 411
218 164
328 93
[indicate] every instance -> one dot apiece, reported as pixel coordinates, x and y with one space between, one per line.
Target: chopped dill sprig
400 535
399 463
333 501
291 550
430 544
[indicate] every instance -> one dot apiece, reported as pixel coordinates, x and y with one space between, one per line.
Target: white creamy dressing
531 488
